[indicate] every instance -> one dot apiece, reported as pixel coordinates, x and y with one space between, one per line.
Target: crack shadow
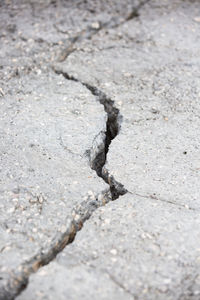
98 156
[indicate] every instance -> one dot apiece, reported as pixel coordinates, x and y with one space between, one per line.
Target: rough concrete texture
60 63
153 76
45 170
130 249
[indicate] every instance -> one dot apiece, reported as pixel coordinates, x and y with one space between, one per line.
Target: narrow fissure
89 32
135 11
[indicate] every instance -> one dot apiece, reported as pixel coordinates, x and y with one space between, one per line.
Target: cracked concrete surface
155 84
101 144
44 166
99 101
132 249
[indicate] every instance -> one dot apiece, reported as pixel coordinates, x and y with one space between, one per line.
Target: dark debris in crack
114 119
82 212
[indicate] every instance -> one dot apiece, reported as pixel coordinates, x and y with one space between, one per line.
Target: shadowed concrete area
99 102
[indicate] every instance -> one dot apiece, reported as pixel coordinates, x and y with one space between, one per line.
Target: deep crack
112 129
98 159
19 279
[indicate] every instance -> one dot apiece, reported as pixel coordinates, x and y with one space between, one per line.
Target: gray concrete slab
141 61
145 244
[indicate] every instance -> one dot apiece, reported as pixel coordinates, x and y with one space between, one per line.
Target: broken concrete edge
82 212
116 188
98 153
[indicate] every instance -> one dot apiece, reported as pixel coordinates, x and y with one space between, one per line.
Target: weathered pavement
112 88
